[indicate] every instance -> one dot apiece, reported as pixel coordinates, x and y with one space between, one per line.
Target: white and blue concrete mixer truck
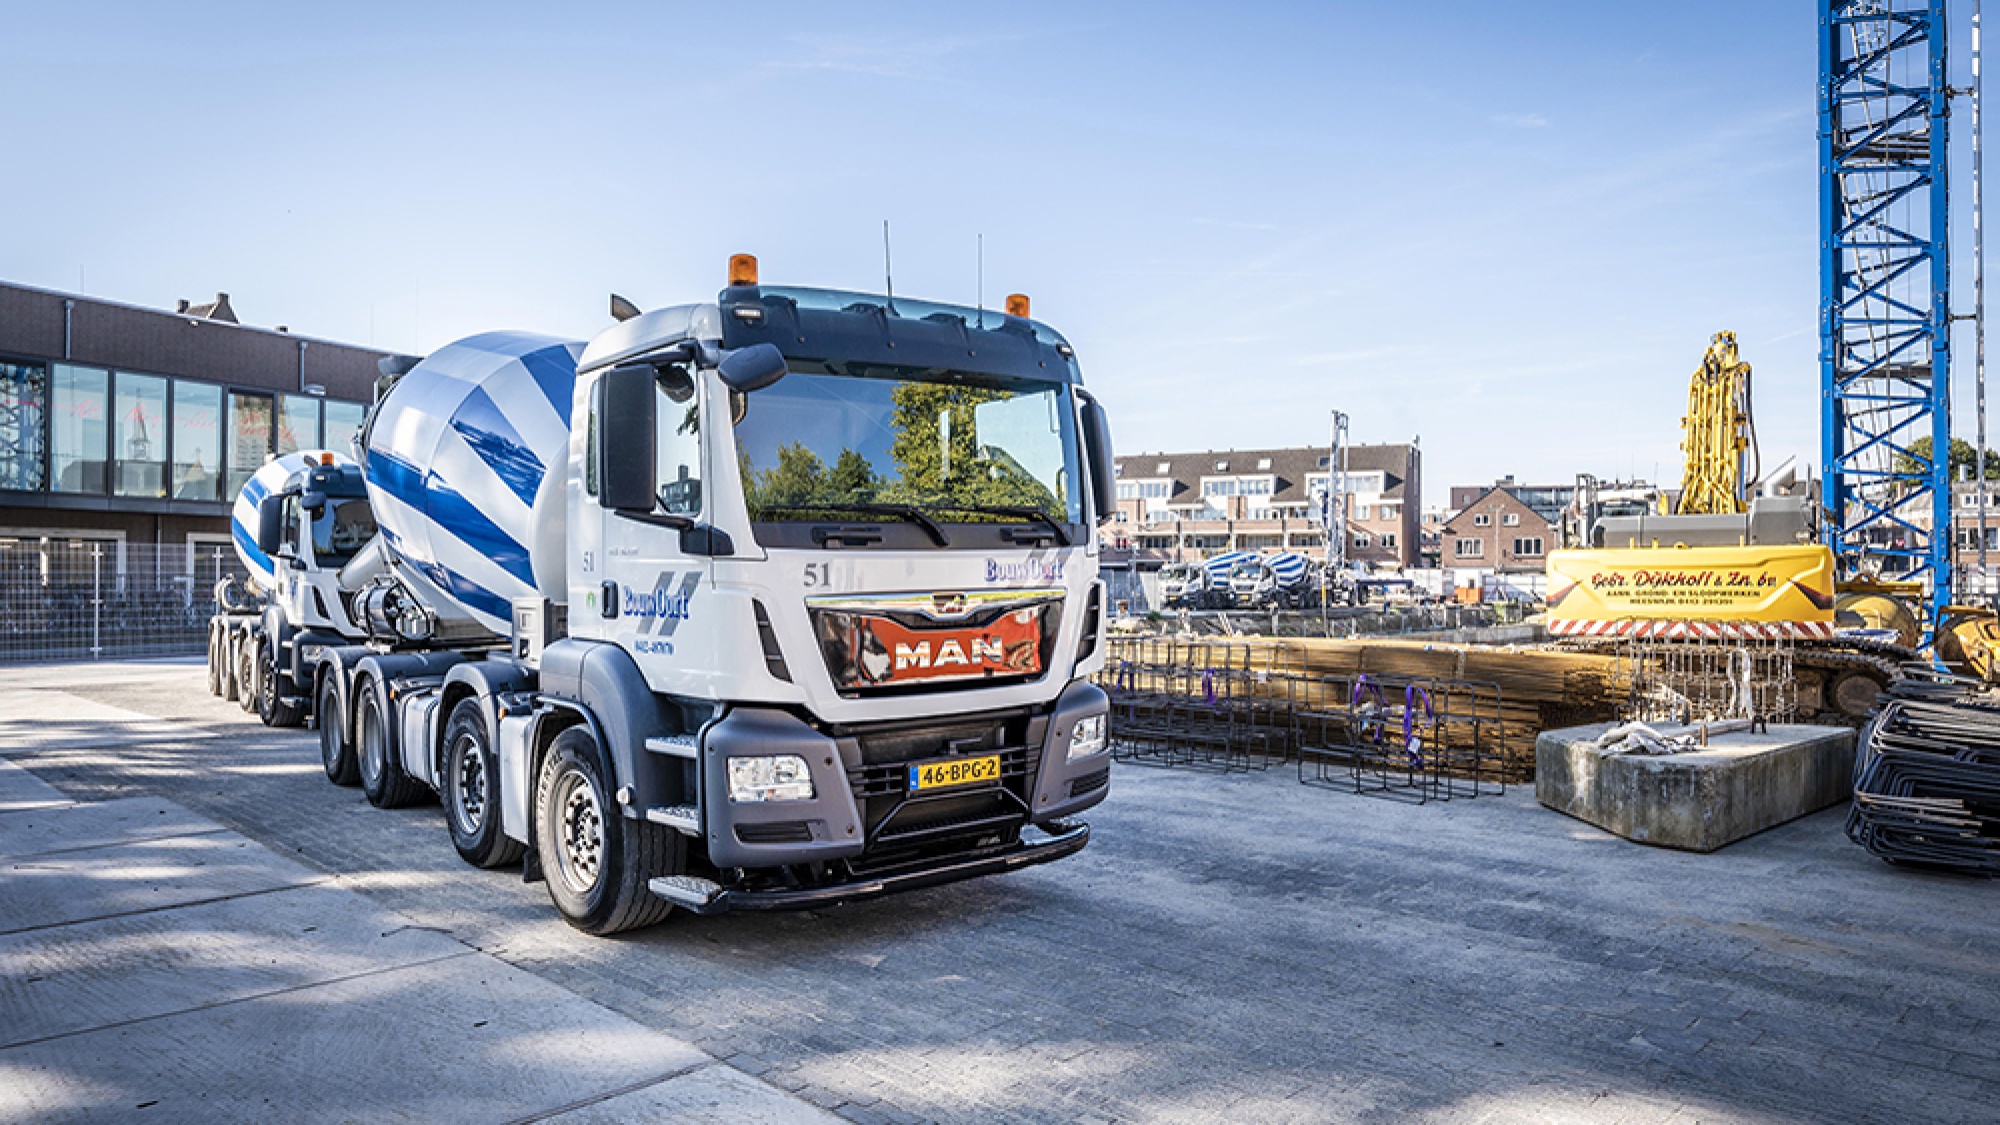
787 599
303 531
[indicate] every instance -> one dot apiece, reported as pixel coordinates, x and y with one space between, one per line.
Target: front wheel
336 752
383 781
471 790
596 860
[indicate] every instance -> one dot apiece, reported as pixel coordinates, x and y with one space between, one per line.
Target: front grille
1090 782
782 832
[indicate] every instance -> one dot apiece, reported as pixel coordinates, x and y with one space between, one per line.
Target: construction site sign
1692 590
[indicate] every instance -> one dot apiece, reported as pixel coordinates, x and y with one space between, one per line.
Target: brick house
1497 530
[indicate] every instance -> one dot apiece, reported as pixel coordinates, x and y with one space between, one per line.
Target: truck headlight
1088 738
776 777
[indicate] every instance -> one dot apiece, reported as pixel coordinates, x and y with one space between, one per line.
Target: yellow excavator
1738 555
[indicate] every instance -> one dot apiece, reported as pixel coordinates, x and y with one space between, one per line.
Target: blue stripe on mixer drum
449 513
554 371
480 421
246 543
468 592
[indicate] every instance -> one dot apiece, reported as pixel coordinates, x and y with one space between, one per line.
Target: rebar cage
1234 706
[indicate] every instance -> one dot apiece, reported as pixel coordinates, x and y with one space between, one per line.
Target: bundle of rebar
1246 701
1927 783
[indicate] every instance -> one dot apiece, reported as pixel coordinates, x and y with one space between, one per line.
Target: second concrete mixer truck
776 601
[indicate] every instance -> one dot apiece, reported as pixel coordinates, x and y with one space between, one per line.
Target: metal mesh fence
104 599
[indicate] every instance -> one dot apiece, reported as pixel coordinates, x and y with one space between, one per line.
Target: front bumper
864 815
1065 840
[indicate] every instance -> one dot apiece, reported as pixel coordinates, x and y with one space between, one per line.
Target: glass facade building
91 431
125 425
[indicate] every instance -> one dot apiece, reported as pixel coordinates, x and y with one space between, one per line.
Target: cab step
701 896
685 819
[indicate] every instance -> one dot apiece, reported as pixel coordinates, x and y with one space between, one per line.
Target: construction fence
107 599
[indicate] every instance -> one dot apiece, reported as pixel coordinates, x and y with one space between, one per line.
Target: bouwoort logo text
1025 570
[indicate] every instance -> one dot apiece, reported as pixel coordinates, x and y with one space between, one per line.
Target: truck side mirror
752 368
1097 448
627 431
271 525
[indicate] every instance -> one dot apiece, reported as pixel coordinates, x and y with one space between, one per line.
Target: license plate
958 771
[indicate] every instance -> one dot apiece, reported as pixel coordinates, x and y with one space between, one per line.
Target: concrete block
1741 784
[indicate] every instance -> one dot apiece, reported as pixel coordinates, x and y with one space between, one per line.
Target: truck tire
271 705
596 861
470 790
336 753
383 781
225 658
214 663
246 675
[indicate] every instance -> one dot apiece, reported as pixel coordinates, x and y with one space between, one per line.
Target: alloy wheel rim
468 785
579 833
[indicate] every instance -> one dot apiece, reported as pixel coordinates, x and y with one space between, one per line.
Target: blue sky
1508 229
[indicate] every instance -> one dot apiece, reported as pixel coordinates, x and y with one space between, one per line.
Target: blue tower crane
1885 291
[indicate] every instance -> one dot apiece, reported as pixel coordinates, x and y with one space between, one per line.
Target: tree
939 460
852 477
1963 457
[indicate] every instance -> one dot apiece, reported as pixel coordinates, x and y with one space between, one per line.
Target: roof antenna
888 279
982 280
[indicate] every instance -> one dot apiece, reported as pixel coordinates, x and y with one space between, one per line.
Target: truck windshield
957 448
343 527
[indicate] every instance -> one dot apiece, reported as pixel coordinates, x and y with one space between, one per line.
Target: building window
1389 540
197 441
1165 468
1481 519
1524 547
1361 541
1127 490
343 425
249 438
1263 463
24 394
78 429
1511 519
298 423
1361 512
139 436
1469 549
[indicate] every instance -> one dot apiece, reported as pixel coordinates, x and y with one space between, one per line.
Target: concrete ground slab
464 1039
713 1093
67 827
21 790
74 978
67 887
1742 783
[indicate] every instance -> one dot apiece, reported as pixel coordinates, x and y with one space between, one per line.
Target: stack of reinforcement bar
1242 702
1927 784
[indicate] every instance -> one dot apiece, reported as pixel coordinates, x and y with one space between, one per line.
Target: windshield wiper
1019 511
909 512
